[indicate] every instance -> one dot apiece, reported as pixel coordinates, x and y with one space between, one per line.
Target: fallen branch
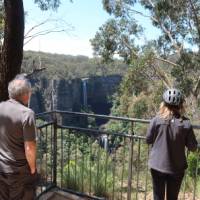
34 72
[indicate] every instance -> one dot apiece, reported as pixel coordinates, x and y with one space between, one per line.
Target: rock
67 95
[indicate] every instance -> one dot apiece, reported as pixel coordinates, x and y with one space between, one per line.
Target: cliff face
62 94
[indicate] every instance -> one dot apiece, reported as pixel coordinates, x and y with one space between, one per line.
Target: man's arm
30 152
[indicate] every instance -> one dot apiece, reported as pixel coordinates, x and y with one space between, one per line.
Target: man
17 143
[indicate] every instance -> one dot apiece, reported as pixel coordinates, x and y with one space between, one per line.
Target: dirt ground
188 196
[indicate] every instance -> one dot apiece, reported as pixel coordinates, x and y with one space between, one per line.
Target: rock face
62 94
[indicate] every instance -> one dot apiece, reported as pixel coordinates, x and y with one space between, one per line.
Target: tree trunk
12 51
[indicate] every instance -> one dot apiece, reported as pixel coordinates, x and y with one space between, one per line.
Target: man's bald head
19 87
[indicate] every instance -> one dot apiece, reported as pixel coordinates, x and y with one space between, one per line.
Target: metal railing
108 162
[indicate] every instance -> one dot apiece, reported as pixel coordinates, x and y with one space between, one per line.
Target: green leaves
48 4
116 36
186 74
116 7
171 60
193 165
104 43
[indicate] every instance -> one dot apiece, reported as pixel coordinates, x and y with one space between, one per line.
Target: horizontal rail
99 132
45 125
44 113
103 116
146 121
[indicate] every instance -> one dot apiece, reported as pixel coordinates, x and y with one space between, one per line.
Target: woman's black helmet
173 97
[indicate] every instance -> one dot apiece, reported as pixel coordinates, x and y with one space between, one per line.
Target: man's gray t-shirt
17 125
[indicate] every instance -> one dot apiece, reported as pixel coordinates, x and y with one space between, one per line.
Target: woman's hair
167 111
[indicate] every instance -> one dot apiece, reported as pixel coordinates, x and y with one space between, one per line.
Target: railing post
130 165
55 150
130 169
196 175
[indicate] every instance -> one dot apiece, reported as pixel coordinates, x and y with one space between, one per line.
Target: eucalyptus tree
12 35
1 22
173 59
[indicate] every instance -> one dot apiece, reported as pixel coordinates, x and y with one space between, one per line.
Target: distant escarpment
77 94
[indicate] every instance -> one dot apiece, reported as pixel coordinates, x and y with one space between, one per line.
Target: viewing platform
56 194
78 159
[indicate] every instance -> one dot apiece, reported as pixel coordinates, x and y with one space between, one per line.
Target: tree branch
34 72
166 61
34 27
28 36
46 32
151 3
170 37
196 88
130 48
196 19
162 75
165 30
146 74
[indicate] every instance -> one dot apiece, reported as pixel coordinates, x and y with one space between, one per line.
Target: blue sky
82 18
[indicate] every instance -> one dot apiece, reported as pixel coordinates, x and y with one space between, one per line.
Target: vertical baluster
98 160
196 176
40 144
90 161
61 158
138 168
82 166
55 152
123 163
114 165
46 149
185 179
106 169
51 149
130 168
76 163
130 165
146 173
68 158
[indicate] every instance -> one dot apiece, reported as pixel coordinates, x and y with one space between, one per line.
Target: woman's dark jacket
168 139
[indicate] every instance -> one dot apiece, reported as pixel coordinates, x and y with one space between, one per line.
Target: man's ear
25 99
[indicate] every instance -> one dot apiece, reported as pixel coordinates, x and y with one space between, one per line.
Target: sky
81 20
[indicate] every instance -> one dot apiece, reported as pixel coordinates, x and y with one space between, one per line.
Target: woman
169 132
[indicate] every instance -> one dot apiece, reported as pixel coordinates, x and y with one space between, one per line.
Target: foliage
12 38
193 165
171 60
48 4
69 67
140 92
84 166
83 174
116 36
187 72
140 107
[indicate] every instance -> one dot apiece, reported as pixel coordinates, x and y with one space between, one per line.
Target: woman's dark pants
169 182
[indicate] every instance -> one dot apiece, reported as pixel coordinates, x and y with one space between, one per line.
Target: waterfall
53 95
104 142
84 81
105 137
